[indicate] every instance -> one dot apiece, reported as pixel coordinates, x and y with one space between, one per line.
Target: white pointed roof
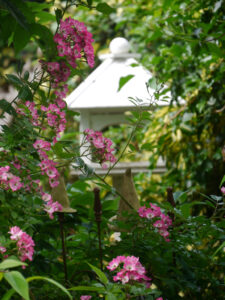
99 92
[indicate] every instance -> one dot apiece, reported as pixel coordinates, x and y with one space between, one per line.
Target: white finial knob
119 45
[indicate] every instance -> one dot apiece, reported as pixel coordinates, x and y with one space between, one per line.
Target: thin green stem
127 144
118 193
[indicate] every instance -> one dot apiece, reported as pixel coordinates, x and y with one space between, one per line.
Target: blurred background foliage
182 44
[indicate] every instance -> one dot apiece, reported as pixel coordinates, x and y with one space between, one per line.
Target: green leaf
5 106
218 249
152 83
100 274
8 25
58 150
208 202
66 155
216 198
124 80
11 38
44 17
105 8
222 181
21 38
88 288
18 283
132 148
110 296
26 75
51 281
145 115
186 210
8 294
37 6
105 186
147 146
11 263
186 128
214 49
45 40
14 79
16 13
179 195
25 93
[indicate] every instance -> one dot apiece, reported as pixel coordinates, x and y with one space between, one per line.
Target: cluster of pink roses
100 147
59 72
72 39
25 243
55 117
85 297
132 269
50 206
8 180
48 167
3 250
155 212
223 190
33 112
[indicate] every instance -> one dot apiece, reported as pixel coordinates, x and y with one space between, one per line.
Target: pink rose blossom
4 173
25 243
223 190
2 249
8 180
115 262
15 232
46 197
53 182
15 183
40 144
132 269
162 221
100 147
74 42
52 207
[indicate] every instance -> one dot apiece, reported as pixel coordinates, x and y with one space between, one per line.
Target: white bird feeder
101 103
